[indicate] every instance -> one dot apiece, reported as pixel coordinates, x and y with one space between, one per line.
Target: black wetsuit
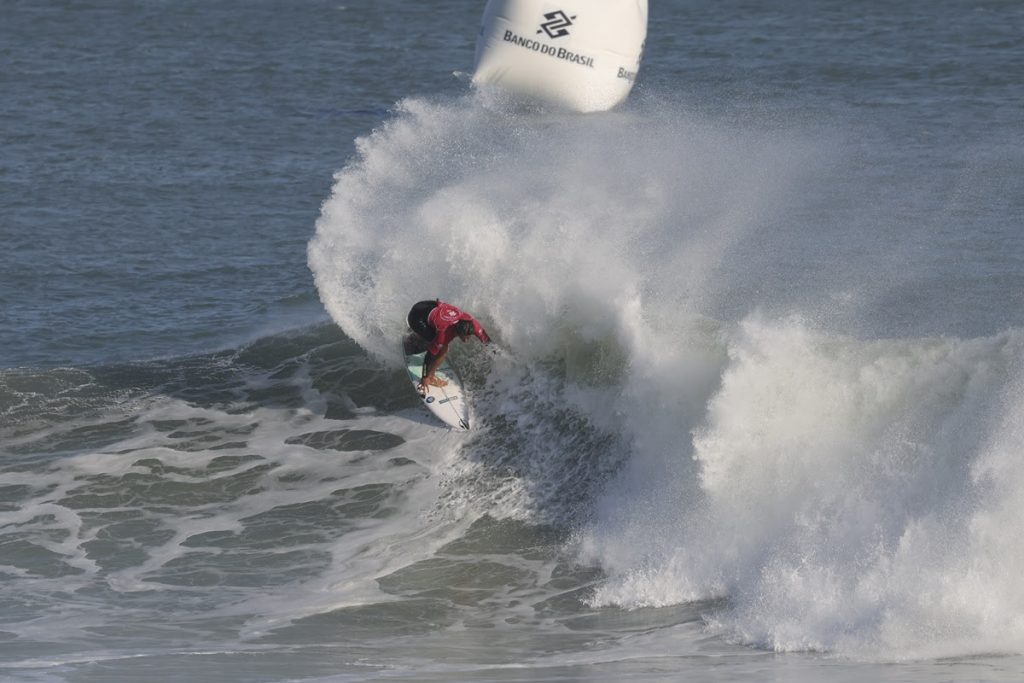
418 320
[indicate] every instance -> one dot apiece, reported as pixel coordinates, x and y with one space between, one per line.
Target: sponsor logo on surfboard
557 24
549 50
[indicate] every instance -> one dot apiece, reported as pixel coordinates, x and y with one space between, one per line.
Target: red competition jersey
443 319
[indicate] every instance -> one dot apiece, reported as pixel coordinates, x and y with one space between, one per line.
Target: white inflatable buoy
579 54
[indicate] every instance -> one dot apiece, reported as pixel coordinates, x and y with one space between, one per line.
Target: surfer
439 324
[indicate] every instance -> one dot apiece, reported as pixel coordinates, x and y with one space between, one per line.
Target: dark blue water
163 166
756 410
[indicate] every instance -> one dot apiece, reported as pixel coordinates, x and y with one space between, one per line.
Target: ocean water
755 410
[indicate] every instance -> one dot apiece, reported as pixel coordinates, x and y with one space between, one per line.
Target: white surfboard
447 403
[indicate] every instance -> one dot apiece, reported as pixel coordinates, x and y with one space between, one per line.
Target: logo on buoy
557 24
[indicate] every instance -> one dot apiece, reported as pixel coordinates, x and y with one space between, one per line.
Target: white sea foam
545 227
847 495
142 518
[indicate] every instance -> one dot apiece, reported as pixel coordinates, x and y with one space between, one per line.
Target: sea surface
755 409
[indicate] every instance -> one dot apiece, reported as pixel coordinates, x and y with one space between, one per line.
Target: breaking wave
716 365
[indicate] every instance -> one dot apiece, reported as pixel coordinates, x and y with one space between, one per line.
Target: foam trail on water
226 496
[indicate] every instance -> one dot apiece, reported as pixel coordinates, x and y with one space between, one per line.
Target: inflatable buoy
580 54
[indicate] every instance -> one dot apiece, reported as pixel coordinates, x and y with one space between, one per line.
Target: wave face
725 357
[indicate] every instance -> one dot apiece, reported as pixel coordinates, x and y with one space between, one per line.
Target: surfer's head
464 328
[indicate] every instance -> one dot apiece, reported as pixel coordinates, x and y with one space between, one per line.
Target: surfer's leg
418 320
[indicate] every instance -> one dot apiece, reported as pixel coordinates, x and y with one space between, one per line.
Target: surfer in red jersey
439 324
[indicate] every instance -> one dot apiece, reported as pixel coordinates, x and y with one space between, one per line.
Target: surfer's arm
431 363
480 332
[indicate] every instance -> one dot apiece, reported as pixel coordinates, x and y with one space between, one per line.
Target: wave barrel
579 54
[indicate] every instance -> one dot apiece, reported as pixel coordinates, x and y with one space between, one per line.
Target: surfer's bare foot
436 382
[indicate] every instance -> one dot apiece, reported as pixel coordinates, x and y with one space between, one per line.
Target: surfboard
447 403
